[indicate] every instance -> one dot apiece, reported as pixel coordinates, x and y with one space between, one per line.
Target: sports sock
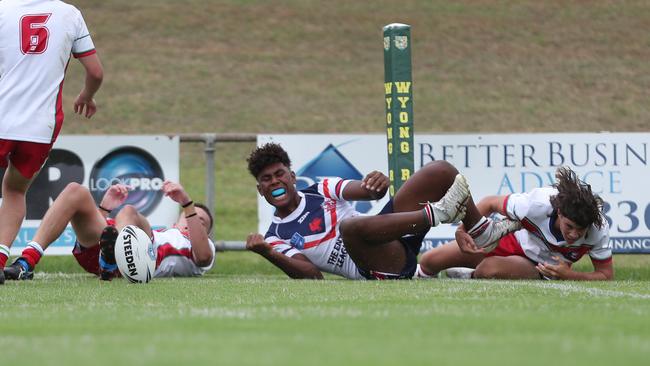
429 215
479 227
477 231
4 255
105 266
32 254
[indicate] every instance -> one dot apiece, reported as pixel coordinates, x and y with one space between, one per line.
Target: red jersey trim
326 190
85 54
166 250
505 207
338 189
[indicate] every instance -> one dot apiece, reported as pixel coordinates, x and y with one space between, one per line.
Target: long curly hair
575 200
265 155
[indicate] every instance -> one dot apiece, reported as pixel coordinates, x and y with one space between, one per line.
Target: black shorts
411 244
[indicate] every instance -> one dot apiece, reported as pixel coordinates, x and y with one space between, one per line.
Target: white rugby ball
135 255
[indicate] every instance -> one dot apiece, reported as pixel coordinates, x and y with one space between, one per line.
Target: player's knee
441 167
486 270
432 261
127 211
73 189
72 193
440 171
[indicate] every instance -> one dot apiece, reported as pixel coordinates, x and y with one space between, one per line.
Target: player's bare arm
373 186
491 204
84 103
297 267
197 228
113 198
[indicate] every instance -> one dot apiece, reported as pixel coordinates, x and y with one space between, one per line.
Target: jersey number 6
33 33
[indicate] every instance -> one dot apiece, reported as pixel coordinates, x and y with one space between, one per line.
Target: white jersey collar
295 214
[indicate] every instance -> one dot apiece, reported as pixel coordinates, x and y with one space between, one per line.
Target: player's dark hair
575 200
207 210
265 155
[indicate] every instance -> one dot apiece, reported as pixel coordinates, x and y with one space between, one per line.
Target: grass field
247 313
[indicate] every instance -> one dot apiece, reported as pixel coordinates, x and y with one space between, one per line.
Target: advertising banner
97 162
614 164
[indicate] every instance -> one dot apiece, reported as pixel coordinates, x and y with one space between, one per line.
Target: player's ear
293 177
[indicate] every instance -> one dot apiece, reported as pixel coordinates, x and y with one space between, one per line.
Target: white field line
563 287
572 288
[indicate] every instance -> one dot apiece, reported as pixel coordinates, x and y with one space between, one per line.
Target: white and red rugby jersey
533 209
172 241
313 228
36 40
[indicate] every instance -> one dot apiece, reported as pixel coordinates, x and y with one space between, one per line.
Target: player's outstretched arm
373 187
84 103
297 267
201 251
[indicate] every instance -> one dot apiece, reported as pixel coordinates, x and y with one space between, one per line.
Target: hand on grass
554 271
255 243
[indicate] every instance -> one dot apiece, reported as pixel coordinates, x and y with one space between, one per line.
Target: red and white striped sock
430 216
479 228
32 254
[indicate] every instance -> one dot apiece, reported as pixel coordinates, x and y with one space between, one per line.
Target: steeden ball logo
135 168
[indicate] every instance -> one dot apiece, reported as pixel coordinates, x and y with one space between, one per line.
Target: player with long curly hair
560 224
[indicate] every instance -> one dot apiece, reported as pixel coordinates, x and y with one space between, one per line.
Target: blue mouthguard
278 192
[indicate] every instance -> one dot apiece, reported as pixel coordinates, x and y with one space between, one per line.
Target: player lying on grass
560 224
317 230
183 250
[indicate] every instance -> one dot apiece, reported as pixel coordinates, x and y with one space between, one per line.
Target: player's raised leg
129 215
74 205
511 267
446 256
375 242
441 178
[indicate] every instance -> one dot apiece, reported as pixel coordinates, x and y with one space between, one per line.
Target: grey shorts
177 266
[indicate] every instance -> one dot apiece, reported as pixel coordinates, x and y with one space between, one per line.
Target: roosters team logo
316 224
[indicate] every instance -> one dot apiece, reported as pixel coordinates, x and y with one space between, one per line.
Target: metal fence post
209 139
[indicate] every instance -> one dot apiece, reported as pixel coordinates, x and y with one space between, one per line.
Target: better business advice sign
97 162
614 164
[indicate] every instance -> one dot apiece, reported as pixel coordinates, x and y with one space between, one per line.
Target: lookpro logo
330 163
135 168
